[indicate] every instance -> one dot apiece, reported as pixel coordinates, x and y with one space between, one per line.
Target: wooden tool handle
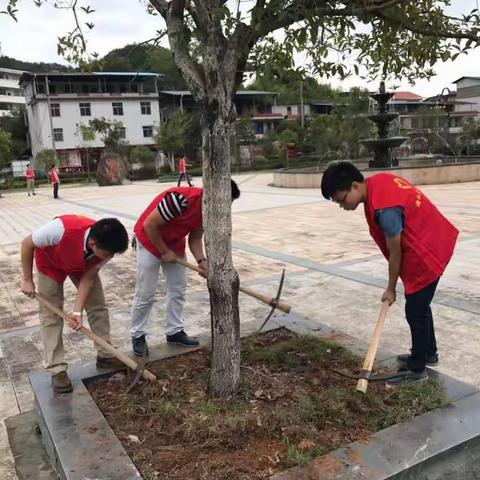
99 341
362 384
284 307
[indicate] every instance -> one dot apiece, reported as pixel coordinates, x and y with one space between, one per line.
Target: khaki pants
52 325
31 185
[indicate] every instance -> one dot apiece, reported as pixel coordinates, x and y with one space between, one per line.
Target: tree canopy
14 64
142 58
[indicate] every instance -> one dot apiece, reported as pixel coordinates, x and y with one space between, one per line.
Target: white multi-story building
59 103
12 99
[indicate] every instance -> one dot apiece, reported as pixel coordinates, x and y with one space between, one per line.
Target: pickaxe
274 302
100 341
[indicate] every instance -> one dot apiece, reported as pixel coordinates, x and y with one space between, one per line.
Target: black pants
420 320
55 190
183 176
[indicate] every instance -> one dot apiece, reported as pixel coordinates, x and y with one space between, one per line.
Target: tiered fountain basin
457 170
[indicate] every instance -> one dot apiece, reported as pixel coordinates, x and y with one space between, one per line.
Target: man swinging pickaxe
274 302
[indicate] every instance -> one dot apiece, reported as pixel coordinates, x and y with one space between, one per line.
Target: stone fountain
382 145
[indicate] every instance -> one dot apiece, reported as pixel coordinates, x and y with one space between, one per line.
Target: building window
55 109
289 110
259 128
58 134
148 131
117 108
145 108
85 110
122 133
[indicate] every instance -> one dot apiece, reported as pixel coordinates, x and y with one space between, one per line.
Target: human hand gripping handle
28 288
389 296
75 321
169 256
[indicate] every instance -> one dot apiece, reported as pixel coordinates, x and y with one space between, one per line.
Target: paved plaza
335 275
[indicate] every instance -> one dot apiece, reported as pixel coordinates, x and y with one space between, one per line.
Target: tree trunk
223 280
213 84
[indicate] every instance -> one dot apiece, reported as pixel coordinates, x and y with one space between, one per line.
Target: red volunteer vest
67 257
29 173
173 232
428 238
53 176
182 165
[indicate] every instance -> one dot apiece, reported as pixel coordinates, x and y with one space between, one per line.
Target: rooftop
185 93
11 70
27 76
461 78
405 97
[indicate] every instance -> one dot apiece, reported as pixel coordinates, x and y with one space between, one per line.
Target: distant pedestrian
30 176
54 179
182 170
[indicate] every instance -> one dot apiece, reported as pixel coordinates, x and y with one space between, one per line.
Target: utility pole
302 116
49 107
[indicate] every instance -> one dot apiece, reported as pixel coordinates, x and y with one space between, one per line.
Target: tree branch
427 31
179 44
161 6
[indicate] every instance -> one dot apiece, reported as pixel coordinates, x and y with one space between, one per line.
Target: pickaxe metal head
139 370
274 302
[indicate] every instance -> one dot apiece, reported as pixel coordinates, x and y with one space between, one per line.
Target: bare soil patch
290 409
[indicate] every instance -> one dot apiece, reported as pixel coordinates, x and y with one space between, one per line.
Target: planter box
442 444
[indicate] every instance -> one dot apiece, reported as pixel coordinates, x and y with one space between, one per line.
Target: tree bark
220 74
223 280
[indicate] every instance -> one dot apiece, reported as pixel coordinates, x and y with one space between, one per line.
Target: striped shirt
172 205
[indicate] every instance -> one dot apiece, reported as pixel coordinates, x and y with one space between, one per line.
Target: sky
119 22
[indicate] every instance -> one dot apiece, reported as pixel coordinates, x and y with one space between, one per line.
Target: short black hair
235 190
52 165
109 235
338 177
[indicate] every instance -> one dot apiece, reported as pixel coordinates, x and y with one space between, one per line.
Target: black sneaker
138 345
407 377
181 338
432 360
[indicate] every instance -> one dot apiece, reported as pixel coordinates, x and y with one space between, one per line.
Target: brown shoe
111 363
61 383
